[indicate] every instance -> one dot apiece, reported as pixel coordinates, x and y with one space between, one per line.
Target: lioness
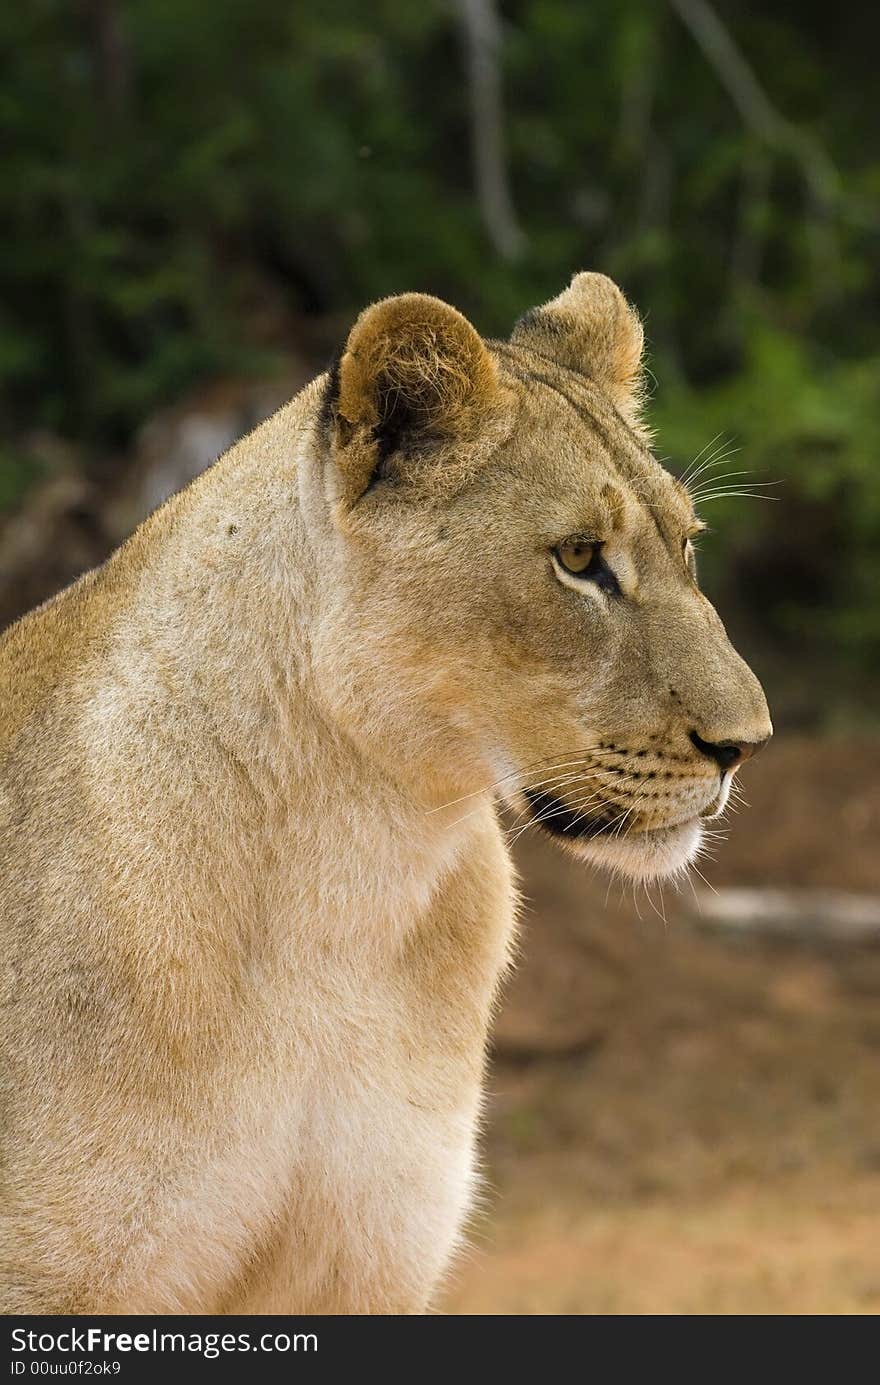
256 900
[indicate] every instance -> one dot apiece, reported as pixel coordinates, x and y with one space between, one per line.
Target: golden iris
576 556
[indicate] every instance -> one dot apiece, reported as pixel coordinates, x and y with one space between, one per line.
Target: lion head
508 590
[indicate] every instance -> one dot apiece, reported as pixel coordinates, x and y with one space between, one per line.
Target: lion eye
582 558
577 557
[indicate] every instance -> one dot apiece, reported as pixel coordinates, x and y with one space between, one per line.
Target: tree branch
481 32
755 107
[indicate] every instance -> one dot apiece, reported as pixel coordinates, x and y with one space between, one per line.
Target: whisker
695 867
622 817
736 495
578 809
689 878
576 778
624 814
711 464
636 903
578 774
713 482
536 766
661 916
535 820
710 443
741 489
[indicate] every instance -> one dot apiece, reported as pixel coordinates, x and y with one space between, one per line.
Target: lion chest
339 1163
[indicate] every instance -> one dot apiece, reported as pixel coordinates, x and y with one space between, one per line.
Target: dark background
197 198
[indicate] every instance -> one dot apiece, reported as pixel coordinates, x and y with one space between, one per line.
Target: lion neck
221 652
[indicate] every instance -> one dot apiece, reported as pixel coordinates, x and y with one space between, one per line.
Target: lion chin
654 854
658 854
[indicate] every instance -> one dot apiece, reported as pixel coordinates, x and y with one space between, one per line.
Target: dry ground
682 1122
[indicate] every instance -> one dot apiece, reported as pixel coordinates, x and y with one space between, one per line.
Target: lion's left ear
592 329
412 394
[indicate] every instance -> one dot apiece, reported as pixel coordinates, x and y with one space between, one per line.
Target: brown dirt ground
682 1122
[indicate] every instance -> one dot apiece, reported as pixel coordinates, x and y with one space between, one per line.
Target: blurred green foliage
172 167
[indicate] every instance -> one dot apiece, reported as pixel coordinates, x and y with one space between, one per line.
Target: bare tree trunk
481 30
111 53
777 134
754 105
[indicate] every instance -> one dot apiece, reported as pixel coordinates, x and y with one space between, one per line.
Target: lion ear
414 383
592 329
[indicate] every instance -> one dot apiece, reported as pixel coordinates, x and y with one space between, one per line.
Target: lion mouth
608 840
560 821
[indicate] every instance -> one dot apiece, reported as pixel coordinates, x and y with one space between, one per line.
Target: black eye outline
597 570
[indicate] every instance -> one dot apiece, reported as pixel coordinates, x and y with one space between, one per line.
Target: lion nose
727 754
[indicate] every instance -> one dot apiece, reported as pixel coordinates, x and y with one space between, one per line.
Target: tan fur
591 329
413 363
255 899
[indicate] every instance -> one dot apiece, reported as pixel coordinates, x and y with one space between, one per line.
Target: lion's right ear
592 329
414 384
